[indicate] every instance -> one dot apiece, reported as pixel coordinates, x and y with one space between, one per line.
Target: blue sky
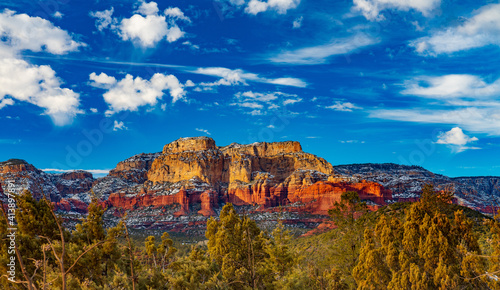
86 84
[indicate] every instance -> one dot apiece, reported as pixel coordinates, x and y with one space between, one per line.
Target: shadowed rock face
68 191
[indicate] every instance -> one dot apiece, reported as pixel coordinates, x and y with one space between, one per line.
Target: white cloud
104 19
119 126
479 120
482 29
130 93
146 31
150 8
146 28
102 80
457 139
351 141
259 96
6 102
270 126
297 23
93 171
343 106
93 110
281 6
203 131
250 105
23 32
262 103
460 100
452 86
189 83
256 113
176 13
291 101
231 77
320 54
35 84
371 8
38 85
58 15
192 46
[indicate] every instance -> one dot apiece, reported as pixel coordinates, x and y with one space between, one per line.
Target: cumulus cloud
320 54
148 8
146 31
35 84
230 77
129 93
482 29
119 126
38 85
102 80
23 32
343 106
203 131
457 139
371 8
147 27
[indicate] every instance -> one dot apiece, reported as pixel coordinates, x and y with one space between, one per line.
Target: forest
429 244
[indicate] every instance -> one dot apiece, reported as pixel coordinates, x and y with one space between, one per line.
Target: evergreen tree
426 251
349 217
237 245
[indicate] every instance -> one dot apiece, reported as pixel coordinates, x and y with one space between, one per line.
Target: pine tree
426 251
349 217
237 246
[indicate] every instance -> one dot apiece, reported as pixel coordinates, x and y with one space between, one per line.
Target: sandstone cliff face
189 157
194 172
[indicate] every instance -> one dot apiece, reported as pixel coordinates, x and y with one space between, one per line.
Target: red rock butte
195 170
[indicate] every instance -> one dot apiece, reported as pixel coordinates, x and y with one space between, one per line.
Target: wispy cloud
93 171
230 77
479 120
203 131
261 103
452 87
343 106
321 53
460 100
482 29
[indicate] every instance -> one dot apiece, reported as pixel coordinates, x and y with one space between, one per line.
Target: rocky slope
405 182
68 191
